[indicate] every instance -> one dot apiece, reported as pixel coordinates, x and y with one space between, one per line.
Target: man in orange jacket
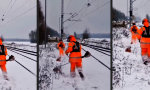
3 54
134 30
74 48
144 38
61 47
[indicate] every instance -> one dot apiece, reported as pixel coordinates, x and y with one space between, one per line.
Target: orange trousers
61 52
3 67
134 38
74 65
145 51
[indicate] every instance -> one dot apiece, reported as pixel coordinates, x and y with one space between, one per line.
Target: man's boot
145 59
81 73
5 76
72 74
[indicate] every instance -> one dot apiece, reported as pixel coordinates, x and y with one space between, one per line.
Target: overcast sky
140 7
96 17
19 18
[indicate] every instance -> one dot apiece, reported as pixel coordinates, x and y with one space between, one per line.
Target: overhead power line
6 9
9 9
22 14
89 13
100 7
85 6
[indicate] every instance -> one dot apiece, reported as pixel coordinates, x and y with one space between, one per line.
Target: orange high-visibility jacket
134 34
61 43
3 57
74 56
144 40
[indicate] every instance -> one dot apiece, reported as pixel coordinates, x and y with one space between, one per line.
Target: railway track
22 50
18 45
22 53
102 50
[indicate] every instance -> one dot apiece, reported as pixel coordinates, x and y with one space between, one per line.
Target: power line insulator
88 4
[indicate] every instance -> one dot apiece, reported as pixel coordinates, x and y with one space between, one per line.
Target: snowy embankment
97 77
130 72
20 78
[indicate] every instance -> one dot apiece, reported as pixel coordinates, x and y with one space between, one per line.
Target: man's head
60 40
133 23
145 22
71 38
0 41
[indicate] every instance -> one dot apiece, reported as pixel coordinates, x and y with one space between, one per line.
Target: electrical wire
85 6
6 14
100 7
6 9
22 14
10 8
87 14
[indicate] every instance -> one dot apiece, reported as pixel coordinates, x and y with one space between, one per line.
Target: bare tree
2 37
148 17
86 34
75 34
33 36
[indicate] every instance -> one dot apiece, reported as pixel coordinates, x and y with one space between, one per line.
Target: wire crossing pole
62 18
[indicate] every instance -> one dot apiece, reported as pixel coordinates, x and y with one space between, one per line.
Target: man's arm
139 33
70 45
5 51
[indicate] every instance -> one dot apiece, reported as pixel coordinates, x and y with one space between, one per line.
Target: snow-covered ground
22 45
99 39
100 42
20 78
130 72
97 77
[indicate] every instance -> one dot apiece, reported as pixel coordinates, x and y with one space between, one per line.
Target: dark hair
60 39
133 23
68 39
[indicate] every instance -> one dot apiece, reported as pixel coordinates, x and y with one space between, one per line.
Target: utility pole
131 11
127 8
45 25
62 19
